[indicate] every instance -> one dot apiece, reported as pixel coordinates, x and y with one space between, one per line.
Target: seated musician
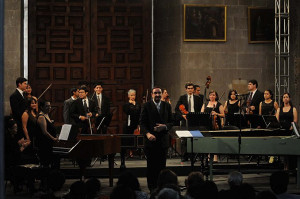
215 108
191 102
268 106
82 110
287 113
232 106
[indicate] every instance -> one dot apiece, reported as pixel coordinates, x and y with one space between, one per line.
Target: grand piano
253 142
89 146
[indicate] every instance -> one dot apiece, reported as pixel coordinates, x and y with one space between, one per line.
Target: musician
214 107
46 136
253 98
197 90
191 102
155 122
133 110
67 106
268 106
232 106
287 113
165 96
103 108
82 110
17 103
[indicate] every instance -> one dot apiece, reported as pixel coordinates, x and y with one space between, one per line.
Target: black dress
267 108
286 118
232 109
217 110
45 144
133 115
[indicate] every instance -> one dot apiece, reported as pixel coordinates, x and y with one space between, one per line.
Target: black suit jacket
17 104
256 99
150 117
66 112
198 102
77 110
105 110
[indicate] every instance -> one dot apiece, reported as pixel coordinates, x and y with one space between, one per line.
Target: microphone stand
90 124
240 133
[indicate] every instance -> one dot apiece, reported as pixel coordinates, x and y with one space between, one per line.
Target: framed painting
204 23
261 25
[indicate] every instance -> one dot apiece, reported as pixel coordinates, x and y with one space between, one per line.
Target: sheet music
184 134
65 131
196 134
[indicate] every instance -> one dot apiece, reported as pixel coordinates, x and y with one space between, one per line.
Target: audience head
194 177
266 195
165 177
279 182
78 190
246 191
56 180
122 192
93 186
129 179
168 193
21 83
235 179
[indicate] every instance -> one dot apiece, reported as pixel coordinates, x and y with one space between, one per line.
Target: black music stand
271 121
255 120
198 119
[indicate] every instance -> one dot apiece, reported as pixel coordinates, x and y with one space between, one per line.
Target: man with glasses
155 122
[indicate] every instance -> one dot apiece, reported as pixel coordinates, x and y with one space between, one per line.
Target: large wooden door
90 40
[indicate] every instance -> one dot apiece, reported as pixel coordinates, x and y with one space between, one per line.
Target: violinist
268 106
191 102
232 106
287 113
82 110
215 108
253 98
197 90
165 96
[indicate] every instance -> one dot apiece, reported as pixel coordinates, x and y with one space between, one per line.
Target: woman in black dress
214 107
287 113
29 119
133 110
232 106
268 106
46 136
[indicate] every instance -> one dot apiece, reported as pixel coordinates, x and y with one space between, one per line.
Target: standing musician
165 96
287 113
103 108
17 103
215 108
155 121
253 98
191 102
232 106
67 106
82 110
133 110
197 90
268 106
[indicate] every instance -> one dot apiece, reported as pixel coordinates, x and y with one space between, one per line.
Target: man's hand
150 137
160 127
89 114
82 118
252 108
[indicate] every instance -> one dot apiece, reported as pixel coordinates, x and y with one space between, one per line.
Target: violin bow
44 92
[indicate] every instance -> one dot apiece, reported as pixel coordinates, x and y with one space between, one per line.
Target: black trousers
156 161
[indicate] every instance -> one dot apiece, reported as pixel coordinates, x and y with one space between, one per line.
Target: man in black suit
191 102
155 122
82 109
103 108
17 103
67 106
197 90
254 97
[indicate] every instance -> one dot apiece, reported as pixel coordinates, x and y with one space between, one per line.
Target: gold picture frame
261 25
204 23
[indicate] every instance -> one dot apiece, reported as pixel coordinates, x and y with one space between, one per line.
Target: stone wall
12 48
176 61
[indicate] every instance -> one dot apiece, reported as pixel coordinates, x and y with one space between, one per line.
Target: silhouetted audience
246 191
192 183
279 183
78 190
128 179
168 193
122 192
266 195
93 186
235 180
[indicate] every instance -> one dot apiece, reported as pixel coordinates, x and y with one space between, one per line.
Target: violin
249 111
183 110
215 125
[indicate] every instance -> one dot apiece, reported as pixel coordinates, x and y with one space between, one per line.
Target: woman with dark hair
29 119
46 136
287 113
214 107
268 106
232 106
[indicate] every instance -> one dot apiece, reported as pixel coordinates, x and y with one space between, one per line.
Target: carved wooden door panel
90 40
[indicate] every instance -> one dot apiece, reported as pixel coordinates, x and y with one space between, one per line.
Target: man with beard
155 122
